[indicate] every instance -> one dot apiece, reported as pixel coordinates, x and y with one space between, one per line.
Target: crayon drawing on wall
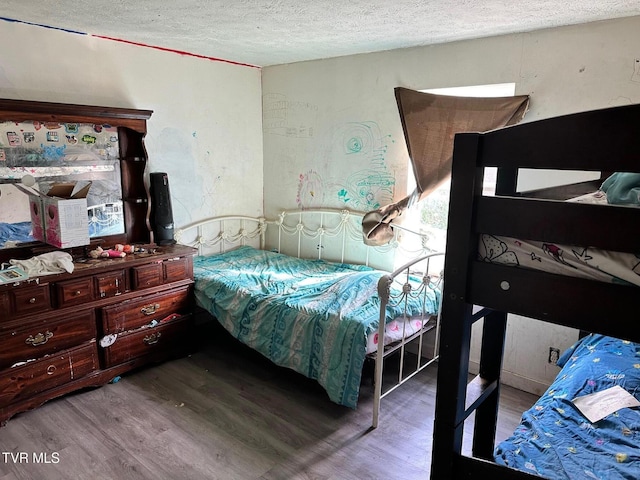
355 146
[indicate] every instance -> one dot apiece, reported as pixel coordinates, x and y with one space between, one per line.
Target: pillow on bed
622 188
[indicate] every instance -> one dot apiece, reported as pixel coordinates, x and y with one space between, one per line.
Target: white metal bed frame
336 235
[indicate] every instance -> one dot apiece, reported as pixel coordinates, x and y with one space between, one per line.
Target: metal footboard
428 270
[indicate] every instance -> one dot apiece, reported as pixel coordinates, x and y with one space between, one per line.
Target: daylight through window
429 216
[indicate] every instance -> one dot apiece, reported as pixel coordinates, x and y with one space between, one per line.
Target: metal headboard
329 234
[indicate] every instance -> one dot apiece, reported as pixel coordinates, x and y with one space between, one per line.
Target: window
429 216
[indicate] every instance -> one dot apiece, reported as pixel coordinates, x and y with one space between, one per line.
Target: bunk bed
304 291
603 140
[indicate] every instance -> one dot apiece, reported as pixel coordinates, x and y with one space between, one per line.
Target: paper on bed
596 406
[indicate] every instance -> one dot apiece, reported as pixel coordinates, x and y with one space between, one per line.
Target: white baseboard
514 380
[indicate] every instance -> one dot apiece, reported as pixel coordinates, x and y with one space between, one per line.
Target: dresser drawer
177 268
110 284
75 292
38 339
32 299
5 304
133 314
147 276
21 382
161 272
171 337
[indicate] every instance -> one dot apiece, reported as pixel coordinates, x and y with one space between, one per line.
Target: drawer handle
150 309
39 339
78 293
51 369
32 300
152 339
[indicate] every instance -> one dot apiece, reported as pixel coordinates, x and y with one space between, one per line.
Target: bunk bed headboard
329 234
601 140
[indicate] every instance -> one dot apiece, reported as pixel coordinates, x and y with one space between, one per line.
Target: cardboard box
37 217
62 214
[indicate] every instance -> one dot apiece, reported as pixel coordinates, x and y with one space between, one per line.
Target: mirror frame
132 128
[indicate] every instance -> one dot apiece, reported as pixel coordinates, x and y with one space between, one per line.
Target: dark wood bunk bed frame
600 140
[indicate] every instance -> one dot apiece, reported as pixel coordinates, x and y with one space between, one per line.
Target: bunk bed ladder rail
481 398
457 398
421 268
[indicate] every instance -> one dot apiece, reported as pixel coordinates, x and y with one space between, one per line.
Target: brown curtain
429 123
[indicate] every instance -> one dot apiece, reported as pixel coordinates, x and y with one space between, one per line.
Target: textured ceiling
263 33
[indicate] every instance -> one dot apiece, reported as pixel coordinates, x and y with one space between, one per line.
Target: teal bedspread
311 316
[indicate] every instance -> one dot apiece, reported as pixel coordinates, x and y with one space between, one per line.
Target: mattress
556 441
583 262
312 316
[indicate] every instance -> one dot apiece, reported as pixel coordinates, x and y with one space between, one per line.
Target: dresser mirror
35 155
99 148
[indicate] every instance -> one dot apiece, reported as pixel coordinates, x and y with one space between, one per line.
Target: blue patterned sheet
555 441
18 232
311 316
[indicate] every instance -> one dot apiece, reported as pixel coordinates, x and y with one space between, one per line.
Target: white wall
206 126
332 134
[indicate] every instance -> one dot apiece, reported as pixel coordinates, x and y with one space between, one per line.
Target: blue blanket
311 316
622 188
556 441
17 232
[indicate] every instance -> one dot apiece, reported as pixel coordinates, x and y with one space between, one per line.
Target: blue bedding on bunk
556 441
311 316
18 232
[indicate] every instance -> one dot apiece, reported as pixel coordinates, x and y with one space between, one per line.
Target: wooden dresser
63 332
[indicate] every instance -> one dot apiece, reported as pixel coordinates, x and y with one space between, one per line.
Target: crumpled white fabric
46 264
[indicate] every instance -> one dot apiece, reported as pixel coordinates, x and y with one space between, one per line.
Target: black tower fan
161 213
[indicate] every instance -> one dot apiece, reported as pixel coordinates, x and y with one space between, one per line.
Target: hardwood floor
225 413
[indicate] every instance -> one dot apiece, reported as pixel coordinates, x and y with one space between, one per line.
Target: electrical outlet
554 355
636 71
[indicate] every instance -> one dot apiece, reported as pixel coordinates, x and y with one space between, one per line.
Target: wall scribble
357 144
